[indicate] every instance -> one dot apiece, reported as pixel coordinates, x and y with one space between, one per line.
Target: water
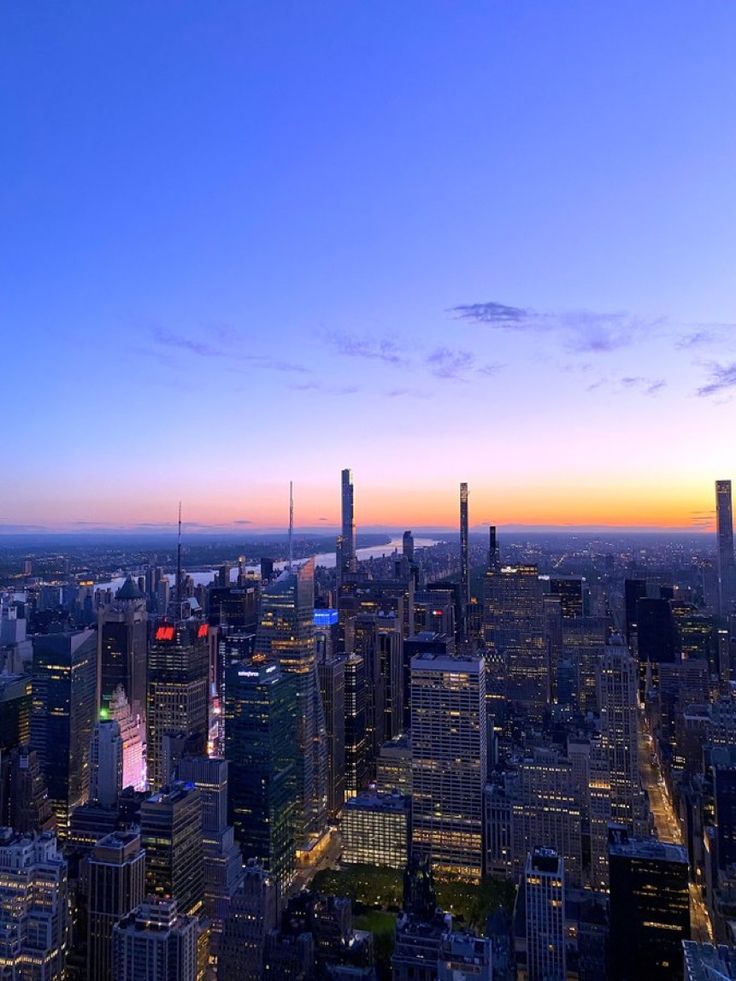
326 559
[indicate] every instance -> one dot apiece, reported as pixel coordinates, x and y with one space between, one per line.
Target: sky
255 241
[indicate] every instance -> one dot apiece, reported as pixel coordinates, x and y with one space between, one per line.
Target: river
326 559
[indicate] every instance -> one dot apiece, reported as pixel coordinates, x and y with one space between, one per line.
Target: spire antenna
178 560
291 523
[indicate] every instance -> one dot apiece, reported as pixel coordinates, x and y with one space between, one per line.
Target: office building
15 711
35 922
618 706
262 746
449 747
177 697
463 957
122 647
393 770
116 885
407 546
543 893
286 637
724 793
156 943
222 856
171 834
356 739
706 962
331 674
131 734
253 914
726 563
63 714
650 909
24 796
377 638
375 829
514 629
106 763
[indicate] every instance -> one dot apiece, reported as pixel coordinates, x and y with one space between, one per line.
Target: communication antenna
291 523
178 560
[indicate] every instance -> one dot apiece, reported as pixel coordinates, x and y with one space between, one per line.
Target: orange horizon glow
687 507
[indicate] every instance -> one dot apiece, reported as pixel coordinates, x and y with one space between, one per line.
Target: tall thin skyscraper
346 558
286 637
726 561
122 647
464 559
494 558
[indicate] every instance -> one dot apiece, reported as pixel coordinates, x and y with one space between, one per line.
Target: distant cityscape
453 757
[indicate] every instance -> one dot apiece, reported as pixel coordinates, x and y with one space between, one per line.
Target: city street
668 829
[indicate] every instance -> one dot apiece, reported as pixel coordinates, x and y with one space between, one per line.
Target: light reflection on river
326 559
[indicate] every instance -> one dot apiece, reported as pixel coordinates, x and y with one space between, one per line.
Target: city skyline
498 243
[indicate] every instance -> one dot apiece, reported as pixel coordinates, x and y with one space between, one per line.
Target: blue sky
247 242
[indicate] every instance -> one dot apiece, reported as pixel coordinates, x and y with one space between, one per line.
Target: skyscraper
543 889
222 856
171 834
356 738
122 645
331 672
617 692
726 561
177 698
262 747
449 748
116 877
106 763
63 713
286 637
407 546
134 771
514 629
155 943
35 925
464 559
346 557
253 914
650 909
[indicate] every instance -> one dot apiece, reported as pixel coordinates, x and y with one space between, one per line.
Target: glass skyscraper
63 715
262 751
286 637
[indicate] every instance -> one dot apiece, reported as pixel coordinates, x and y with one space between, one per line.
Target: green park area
381 889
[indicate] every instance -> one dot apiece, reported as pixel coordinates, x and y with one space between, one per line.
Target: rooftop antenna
291 523
178 561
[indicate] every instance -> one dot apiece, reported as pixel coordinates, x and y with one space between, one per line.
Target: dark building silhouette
171 834
64 698
122 646
650 910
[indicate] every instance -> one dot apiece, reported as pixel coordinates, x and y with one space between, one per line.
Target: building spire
178 561
291 523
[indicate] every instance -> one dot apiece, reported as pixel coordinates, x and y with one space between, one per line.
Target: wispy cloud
648 386
223 343
372 349
320 386
446 363
406 392
584 331
722 378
